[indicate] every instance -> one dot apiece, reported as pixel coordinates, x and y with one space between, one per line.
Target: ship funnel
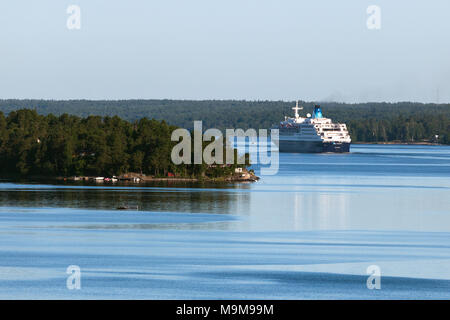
317 114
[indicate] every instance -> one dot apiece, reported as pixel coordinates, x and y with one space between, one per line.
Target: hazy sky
234 49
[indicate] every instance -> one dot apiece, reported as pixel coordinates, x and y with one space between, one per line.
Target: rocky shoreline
418 143
131 177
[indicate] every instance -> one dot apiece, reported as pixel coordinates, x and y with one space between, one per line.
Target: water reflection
373 188
150 197
320 211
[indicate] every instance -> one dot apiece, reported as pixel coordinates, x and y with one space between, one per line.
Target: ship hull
313 146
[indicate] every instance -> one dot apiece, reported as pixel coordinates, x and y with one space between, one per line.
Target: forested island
405 122
35 145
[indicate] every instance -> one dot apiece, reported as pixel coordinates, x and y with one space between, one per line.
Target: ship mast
296 108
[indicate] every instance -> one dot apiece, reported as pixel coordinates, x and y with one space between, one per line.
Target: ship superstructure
312 134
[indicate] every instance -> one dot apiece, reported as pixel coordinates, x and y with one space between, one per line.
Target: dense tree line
33 144
401 128
367 122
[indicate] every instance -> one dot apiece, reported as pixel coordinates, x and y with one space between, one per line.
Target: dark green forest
66 145
367 122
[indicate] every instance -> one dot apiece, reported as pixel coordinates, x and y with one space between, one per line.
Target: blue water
309 232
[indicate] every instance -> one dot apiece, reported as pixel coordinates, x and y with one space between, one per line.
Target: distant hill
368 122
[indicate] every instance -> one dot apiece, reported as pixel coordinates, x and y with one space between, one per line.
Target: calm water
311 231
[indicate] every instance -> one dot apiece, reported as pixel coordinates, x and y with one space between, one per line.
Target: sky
317 50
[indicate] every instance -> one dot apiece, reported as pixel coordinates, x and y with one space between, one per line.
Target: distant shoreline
421 143
141 179
145 179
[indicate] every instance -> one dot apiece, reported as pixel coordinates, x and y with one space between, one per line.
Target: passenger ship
312 134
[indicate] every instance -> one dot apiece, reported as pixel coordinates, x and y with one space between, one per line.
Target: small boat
127 208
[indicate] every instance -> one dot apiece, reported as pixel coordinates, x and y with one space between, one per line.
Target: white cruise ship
312 134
